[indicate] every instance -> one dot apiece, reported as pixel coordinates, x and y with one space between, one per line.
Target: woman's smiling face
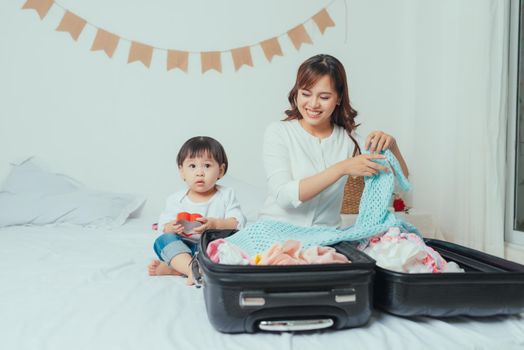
317 103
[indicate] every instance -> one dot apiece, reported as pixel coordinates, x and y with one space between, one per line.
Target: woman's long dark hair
308 74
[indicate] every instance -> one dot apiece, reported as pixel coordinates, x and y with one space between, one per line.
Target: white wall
454 115
117 126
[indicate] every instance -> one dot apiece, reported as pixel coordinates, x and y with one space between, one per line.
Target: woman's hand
362 165
378 141
207 224
173 227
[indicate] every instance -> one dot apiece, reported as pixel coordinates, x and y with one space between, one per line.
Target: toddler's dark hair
199 146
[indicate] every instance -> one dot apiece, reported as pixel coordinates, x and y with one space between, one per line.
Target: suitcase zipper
195 269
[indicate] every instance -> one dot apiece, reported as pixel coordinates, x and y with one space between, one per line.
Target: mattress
83 288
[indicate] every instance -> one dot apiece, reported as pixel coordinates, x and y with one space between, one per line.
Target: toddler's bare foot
189 280
160 268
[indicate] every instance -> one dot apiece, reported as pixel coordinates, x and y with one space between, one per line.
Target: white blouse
292 154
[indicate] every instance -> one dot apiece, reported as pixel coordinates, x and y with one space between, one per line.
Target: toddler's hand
173 227
207 224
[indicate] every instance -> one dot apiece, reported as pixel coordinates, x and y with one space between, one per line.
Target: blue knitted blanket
374 217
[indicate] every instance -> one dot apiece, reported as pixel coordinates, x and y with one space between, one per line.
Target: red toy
189 222
187 216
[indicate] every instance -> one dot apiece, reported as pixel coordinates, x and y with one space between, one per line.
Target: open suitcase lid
489 286
478 266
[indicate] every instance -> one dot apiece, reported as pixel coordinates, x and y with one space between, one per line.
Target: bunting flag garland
179 59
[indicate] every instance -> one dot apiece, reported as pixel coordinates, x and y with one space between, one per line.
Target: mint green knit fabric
374 217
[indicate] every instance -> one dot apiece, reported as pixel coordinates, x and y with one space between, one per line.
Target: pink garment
212 250
324 255
289 253
286 254
222 252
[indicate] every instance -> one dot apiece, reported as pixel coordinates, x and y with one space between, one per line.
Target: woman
308 155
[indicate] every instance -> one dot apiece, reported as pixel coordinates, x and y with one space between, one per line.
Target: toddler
201 161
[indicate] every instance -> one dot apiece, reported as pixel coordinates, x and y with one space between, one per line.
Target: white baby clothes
406 252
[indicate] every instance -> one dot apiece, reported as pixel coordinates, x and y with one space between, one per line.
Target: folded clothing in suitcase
287 297
489 286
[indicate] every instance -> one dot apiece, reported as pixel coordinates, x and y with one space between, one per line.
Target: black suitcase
285 298
489 286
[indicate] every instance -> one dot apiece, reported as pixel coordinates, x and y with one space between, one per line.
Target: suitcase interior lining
474 261
468 264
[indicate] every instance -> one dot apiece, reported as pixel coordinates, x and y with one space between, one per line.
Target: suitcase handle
295 325
259 299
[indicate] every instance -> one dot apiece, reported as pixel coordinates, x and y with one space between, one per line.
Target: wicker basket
352 193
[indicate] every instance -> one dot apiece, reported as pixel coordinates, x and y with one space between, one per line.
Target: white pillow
28 177
34 196
251 197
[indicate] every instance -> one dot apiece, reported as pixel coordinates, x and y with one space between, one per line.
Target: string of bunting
179 59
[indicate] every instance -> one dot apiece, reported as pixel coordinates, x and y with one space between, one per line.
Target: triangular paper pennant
241 56
105 41
211 60
323 20
177 59
271 48
41 6
299 36
71 24
140 52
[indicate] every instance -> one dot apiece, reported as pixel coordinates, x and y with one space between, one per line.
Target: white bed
77 288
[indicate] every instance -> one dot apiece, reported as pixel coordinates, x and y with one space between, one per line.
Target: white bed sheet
73 288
